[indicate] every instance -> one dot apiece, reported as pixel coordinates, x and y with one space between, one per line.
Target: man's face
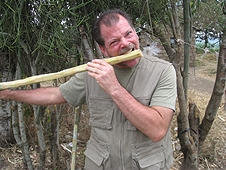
120 39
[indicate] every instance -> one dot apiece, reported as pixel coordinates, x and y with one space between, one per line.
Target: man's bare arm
152 121
39 96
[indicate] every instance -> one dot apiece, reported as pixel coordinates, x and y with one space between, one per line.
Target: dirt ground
201 81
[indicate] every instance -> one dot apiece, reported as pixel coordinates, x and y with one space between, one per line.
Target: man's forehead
103 26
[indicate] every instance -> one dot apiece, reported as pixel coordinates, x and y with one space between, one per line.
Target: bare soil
201 82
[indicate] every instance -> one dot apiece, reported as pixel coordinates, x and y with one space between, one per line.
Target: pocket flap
150 160
96 151
92 155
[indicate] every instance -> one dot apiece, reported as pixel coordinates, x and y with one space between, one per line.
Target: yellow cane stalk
67 72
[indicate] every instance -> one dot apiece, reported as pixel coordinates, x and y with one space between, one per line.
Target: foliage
46 31
208 19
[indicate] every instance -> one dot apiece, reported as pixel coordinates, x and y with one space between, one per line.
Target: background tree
207 21
37 37
191 133
219 86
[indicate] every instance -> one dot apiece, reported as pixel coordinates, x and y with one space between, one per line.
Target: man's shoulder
149 58
154 61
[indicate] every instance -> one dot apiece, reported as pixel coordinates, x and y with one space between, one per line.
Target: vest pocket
148 156
97 153
101 114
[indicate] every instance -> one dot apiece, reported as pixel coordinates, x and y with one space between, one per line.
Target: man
131 103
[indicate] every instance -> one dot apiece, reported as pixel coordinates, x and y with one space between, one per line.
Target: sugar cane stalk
75 137
67 72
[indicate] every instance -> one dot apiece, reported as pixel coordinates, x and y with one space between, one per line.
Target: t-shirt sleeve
166 91
74 90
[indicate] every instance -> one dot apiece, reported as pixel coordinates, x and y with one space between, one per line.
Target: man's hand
3 94
104 75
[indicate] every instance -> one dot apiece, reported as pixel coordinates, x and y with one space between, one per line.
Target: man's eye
129 33
113 43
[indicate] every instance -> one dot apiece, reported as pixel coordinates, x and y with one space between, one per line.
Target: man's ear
103 50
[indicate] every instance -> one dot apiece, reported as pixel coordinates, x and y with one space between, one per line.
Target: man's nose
124 42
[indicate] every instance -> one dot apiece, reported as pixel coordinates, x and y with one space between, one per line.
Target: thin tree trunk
98 51
59 111
187 42
41 138
216 97
56 114
184 133
22 129
6 134
206 39
88 49
5 127
170 52
75 137
53 138
24 141
37 120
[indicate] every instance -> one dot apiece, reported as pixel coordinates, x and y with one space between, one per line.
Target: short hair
108 18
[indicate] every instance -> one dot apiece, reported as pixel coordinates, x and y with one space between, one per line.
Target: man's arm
39 96
152 121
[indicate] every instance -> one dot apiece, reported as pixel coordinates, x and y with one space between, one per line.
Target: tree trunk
88 49
53 137
37 120
55 112
187 42
98 51
191 160
206 39
24 142
187 141
218 91
6 134
20 134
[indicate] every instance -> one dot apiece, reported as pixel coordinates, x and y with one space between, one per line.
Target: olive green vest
116 144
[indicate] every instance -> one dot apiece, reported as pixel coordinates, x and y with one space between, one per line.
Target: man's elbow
159 136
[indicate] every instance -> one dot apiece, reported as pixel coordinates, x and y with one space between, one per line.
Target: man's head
108 18
115 34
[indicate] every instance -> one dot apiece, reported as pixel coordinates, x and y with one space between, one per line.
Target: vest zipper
122 142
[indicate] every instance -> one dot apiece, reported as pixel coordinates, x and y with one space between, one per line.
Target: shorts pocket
97 153
148 156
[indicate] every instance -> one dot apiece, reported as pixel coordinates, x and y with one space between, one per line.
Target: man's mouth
126 52
128 49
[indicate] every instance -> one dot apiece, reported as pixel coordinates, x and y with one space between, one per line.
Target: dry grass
213 154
